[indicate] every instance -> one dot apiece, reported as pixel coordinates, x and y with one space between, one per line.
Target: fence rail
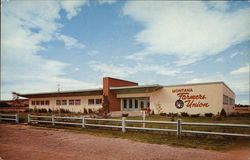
8 117
124 126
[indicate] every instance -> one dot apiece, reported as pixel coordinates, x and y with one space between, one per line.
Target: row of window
40 102
94 101
70 102
65 102
228 100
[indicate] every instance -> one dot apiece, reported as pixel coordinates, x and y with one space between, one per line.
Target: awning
136 89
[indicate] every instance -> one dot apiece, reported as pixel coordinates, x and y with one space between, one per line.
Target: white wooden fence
124 127
8 117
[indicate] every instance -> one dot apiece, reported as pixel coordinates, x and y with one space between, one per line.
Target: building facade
121 95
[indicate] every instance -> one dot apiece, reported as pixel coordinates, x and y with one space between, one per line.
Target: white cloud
70 42
219 5
219 59
191 34
234 54
93 52
125 71
239 84
25 27
73 7
241 70
77 68
106 1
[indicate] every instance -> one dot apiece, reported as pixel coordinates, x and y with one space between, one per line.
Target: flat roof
119 90
136 89
205 83
84 92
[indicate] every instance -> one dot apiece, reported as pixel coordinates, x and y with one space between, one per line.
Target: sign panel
189 99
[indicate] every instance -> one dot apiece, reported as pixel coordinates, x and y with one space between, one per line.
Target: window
130 103
142 104
33 103
58 102
136 103
77 102
71 102
47 102
231 101
42 103
225 99
64 102
98 101
124 103
91 101
37 102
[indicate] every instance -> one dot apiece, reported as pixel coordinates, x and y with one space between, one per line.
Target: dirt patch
21 142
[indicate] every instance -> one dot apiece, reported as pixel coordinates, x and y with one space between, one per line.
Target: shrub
85 111
195 115
163 114
152 113
217 118
223 113
172 118
27 110
64 110
49 111
208 114
184 114
90 111
125 115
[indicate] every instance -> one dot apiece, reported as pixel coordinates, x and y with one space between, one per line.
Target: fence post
53 119
123 124
83 122
144 117
17 118
28 118
179 121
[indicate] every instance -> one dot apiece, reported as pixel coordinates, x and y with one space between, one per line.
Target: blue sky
76 43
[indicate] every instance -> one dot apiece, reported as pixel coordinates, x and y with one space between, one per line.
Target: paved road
21 142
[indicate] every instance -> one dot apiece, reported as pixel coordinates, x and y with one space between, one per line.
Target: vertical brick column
109 97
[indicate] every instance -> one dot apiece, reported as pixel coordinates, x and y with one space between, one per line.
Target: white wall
227 107
72 108
166 99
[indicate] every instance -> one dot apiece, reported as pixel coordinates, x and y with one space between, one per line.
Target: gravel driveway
21 142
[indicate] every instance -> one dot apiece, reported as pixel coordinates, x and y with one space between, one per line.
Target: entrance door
134 104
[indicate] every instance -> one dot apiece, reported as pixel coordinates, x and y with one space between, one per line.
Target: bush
163 114
184 114
90 111
64 110
49 111
152 113
125 115
208 114
85 111
217 118
223 113
27 110
195 115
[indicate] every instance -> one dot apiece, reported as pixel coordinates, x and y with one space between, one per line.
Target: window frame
91 102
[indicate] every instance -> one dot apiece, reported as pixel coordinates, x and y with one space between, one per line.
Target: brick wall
114 103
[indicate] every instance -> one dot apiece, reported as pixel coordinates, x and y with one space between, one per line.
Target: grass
201 141
211 142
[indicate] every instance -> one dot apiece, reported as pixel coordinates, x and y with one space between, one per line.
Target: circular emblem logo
179 104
